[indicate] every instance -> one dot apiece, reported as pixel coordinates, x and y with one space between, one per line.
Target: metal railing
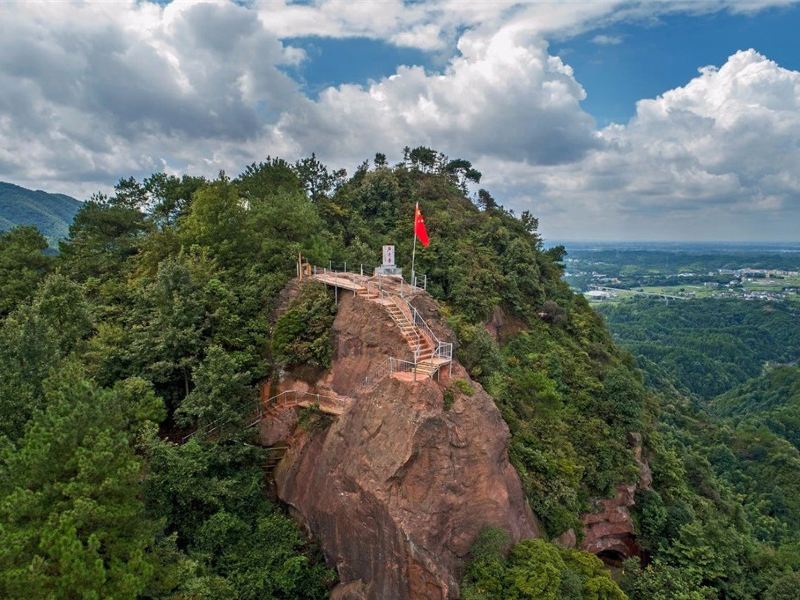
402 305
442 349
397 365
259 411
419 282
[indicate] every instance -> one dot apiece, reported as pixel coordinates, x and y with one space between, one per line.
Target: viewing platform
428 354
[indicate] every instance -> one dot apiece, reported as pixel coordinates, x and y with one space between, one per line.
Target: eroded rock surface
609 532
398 487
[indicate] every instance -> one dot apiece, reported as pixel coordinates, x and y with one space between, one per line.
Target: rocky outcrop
397 488
609 531
502 326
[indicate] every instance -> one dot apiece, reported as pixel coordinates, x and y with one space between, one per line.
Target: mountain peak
50 213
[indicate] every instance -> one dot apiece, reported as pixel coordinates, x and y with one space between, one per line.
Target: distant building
599 295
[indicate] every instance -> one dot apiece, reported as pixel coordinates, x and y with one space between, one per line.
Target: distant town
606 275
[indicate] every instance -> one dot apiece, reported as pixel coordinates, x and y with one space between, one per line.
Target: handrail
401 307
379 373
218 423
443 349
397 365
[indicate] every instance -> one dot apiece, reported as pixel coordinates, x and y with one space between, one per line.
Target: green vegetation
153 319
464 387
49 213
534 569
303 333
23 265
158 316
705 347
312 419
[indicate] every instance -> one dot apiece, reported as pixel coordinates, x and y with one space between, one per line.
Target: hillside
705 346
50 213
771 400
173 307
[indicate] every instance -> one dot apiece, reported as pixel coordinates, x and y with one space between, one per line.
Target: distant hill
771 400
51 213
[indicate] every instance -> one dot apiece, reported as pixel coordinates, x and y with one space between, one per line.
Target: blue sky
608 119
631 60
648 58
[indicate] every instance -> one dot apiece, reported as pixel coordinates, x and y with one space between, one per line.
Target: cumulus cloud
96 91
714 158
91 91
504 96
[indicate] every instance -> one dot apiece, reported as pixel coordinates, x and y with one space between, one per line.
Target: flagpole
414 251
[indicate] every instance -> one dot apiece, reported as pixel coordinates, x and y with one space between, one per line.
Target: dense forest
157 316
706 347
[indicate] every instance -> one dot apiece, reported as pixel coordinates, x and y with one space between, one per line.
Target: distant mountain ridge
51 213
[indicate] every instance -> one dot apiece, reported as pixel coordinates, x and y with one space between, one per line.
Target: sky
607 119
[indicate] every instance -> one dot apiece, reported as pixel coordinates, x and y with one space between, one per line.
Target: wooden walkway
427 361
347 281
331 405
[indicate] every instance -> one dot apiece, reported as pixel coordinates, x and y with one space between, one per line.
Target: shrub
449 398
302 334
312 419
464 387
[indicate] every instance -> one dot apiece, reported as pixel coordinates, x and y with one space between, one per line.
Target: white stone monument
388 267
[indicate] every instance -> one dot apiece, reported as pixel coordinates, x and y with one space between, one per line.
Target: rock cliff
609 531
397 488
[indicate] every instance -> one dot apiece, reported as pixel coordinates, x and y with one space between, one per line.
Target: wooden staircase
275 455
420 345
426 358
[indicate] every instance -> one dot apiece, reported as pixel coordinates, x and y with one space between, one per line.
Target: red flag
419 228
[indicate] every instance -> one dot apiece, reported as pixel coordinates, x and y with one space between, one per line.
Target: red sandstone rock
397 488
355 590
609 531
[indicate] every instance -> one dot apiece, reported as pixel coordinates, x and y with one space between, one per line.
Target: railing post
345 266
362 269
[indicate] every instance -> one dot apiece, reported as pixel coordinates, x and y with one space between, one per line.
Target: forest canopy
157 316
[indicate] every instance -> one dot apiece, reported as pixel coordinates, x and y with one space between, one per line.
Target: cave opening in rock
612 558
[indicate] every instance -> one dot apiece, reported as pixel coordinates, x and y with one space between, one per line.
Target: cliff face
397 488
609 531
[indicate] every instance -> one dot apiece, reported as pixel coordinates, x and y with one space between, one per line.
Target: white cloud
607 40
504 96
92 91
715 158
96 91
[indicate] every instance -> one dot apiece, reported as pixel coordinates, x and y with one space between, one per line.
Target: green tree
33 340
303 332
211 497
73 523
103 235
23 264
221 392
